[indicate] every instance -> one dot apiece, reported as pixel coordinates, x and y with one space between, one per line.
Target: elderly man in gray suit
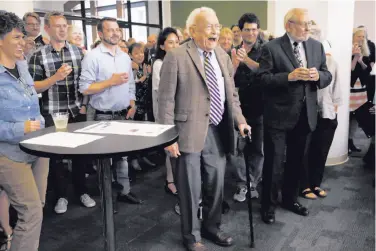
197 94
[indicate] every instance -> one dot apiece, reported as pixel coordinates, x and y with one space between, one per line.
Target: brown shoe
197 246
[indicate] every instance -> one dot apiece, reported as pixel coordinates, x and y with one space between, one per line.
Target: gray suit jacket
284 99
184 99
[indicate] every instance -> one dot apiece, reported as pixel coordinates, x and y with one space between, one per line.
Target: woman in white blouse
167 40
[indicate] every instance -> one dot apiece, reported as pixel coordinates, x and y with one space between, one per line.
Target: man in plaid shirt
56 68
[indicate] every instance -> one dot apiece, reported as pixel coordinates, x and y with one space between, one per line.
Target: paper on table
62 139
135 129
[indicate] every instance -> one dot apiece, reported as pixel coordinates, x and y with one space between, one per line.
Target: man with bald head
197 94
150 49
292 68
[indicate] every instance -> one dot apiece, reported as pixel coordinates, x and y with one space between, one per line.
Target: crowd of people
213 83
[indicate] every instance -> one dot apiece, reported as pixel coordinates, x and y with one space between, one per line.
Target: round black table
110 146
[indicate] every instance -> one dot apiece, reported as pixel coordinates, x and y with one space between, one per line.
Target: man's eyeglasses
210 27
33 25
302 24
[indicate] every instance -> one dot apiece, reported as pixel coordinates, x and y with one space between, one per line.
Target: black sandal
305 193
318 191
6 242
168 190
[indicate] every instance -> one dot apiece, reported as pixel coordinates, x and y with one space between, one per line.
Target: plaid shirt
64 95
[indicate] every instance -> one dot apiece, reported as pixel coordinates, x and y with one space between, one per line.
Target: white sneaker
87 201
61 206
240 194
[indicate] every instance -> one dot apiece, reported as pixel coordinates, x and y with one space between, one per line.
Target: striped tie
297 54
216 110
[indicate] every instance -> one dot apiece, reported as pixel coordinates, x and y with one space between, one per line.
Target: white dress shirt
218 73
300 49
330 96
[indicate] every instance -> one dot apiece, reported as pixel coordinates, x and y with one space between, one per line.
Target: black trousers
320 142
58 173
275 172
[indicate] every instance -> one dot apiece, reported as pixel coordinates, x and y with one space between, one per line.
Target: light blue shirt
218 73
99 65
18 103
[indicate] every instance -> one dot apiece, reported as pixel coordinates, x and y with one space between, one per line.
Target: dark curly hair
248 18
8 22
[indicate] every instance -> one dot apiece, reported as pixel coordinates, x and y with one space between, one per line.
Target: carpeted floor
345 220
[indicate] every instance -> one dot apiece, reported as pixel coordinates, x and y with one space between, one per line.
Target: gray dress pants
204 169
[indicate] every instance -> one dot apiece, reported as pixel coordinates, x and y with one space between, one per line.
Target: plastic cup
60 119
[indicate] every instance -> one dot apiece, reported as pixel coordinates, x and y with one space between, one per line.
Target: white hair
192 17
290 15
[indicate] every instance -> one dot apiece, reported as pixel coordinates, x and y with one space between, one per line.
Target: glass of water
60 119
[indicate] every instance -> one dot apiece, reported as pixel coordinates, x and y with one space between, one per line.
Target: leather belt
121 112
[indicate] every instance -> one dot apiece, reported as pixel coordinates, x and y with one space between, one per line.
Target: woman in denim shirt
23 177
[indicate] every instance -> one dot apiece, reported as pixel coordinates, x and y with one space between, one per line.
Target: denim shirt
18 103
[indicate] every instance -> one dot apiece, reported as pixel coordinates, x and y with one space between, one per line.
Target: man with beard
244 58
107 76
55 68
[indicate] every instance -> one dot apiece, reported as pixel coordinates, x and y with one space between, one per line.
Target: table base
105 177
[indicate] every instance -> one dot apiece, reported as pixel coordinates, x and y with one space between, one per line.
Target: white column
339 33
335 19
18 7
166 13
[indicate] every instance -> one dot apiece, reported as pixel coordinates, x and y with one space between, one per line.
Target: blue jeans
255 155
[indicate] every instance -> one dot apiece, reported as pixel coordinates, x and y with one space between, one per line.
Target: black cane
249 198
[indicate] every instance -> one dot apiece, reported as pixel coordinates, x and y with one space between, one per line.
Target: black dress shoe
225 207
220 238
129 198
268 216
197 246
117 186
297 208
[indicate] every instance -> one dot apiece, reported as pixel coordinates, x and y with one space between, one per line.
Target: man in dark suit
292 67
197 94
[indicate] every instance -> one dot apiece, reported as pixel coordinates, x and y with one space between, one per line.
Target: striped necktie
297 54
216 110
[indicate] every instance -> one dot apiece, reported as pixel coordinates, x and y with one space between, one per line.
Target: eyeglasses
304 24
210 27
33 25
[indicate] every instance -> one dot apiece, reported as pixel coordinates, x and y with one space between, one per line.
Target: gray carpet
345 220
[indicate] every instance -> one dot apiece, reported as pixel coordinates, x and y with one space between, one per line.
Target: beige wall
228 12
364 14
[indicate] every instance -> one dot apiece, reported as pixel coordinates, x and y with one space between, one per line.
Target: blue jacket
18 103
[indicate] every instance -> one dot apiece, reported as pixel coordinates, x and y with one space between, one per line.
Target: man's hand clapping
119 78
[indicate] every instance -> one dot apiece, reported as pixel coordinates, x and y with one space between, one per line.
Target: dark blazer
284 99
184 99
